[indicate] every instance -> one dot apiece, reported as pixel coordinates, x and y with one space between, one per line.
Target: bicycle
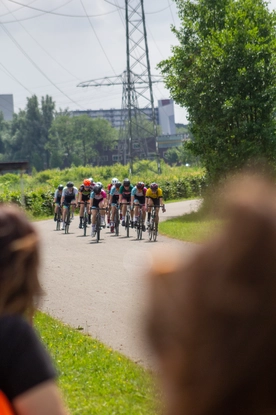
98 222
152 228
127 218
67 218
139 224
117 220
59 218
85 218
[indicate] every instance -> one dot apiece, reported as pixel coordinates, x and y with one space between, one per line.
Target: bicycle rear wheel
116 222
127 221
85 221
139 226
58 220
67 221
98 227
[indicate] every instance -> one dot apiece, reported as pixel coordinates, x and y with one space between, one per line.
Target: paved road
102 287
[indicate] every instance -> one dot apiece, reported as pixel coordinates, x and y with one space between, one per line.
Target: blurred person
211 319
27 375
57 199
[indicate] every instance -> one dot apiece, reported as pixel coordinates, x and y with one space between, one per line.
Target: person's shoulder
10 324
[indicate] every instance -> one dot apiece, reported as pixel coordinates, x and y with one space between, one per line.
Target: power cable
34 39
123 8
15 79
60 14
19 8
35 65
97 38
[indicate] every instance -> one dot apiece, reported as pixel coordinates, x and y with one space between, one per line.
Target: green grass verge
93 378
191 227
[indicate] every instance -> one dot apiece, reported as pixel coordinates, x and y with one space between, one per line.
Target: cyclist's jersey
114 191
57 196
109 187
85 191
138 192
69 196
126 192
154 195
100 196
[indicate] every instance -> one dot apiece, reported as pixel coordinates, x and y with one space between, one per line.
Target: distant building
116 117
145 148
166 116
6 106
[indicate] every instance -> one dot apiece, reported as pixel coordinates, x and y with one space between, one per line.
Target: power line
42 46
35 65
97 37
15 79
59 14
123 8
19 8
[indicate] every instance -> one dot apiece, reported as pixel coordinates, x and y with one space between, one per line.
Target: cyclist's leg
102 205
150 204
81 213
94 214
124 208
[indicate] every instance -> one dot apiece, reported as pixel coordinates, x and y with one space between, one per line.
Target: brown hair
19 261
212 319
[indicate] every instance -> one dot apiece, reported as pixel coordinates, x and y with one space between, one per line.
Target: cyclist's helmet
70 184
114 180
100 185
87 182
140 185
154 187
97 189
60 187
126 182
91 179
118 185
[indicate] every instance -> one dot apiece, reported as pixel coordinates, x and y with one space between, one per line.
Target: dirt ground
102 287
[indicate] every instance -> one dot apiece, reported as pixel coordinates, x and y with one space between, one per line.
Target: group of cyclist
122 194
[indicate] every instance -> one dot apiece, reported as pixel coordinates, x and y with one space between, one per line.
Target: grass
93 378
191 227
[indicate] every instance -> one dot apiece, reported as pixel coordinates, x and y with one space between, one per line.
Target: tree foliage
223 71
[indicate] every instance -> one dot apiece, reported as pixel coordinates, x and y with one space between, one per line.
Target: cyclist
69 194
97 199
138 197
84 196
57 199
154 197
125 197
113 201
92 183
109 187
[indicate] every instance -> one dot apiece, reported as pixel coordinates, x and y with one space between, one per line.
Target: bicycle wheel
98 226
116 222
85 221
58 220
127 221
139 226
67 221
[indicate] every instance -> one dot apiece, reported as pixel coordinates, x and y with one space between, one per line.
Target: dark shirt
24 361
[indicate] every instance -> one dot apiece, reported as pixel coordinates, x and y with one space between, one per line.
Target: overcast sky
50 46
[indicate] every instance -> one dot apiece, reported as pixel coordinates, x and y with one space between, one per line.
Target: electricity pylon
137 88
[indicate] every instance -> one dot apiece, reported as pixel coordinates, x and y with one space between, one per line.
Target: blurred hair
19 260
212 318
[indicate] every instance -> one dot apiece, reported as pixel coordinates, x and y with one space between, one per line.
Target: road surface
101 287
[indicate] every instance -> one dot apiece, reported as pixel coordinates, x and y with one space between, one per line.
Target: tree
79 140
223 71
47 117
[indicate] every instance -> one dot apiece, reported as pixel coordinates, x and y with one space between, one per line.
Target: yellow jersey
154 195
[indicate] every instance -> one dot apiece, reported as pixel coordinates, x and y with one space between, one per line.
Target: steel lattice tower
137 89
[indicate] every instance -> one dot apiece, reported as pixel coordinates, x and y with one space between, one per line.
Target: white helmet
91 179
114 180
99 184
